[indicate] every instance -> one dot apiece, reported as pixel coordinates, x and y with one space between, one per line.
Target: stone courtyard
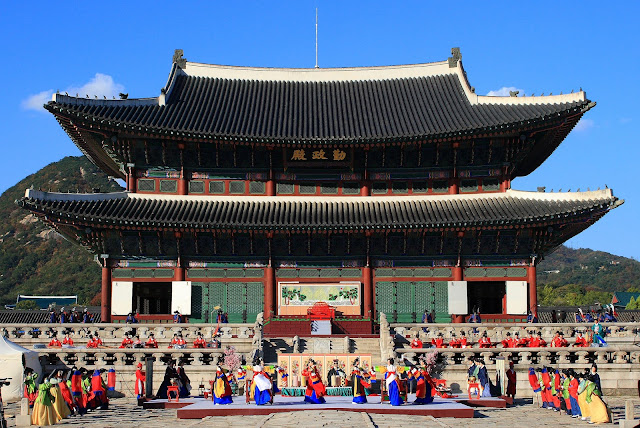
123 412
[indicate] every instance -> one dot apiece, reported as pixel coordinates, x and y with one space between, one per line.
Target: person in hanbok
598 412
393 384
43 412
261 386
169 374
534 381
582 397
423 386
65 389
141 378
59 404
359 385
573 394
185 382
483 379
221 388
76 391
511 381
30 388
315 388
98 390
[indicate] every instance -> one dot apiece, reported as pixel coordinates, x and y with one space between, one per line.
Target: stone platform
198 408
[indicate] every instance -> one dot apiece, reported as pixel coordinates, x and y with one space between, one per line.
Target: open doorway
152 298
486 297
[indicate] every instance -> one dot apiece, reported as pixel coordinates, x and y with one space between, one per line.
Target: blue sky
538 47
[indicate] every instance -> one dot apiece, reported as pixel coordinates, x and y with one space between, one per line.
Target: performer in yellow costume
59 405
43 412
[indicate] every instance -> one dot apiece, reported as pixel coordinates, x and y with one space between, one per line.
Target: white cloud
100 85
504 91
584 125
35 102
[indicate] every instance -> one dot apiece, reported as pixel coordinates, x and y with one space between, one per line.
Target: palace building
373 189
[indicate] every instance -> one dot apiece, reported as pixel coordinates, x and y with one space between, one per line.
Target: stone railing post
543 358
563 357
621 357
486 356
582 357
525 358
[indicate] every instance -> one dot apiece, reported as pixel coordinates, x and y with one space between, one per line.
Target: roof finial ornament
124 96
513 93
179 59
455 57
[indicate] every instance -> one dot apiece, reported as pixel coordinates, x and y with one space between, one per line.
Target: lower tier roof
130 210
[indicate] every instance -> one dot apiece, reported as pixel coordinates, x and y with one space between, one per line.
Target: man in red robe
580 340
507 341
438 342
416 343
151 342
140 380
484 341
55 343
463 340
511 381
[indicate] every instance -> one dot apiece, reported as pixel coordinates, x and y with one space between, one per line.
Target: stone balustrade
105 358
618 366
619 333
568 357
113 334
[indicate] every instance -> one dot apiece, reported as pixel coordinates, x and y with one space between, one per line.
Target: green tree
633 304
27 304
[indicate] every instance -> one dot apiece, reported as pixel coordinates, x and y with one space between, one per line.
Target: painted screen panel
457 296
517 294
121 298
181 297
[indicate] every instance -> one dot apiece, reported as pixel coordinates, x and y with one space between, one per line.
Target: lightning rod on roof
317 38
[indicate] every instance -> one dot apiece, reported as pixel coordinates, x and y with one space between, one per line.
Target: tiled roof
17 316
401 103
295 213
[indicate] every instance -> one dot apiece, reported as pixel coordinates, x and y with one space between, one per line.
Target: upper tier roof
131 210
372 104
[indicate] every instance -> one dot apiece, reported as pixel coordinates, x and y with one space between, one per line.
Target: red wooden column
454 188
131 179
105 296
182 184
367 295
179 273
365 190
269 292
533 292
271 183
271 187
456 273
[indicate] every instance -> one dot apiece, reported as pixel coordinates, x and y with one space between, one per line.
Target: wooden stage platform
198 408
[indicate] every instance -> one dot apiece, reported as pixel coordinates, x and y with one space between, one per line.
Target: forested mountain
33 258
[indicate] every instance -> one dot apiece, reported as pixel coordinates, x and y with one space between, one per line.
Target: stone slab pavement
124 413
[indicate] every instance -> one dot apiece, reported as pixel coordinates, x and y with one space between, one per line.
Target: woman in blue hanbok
261 386
393 384
360 385
483 379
